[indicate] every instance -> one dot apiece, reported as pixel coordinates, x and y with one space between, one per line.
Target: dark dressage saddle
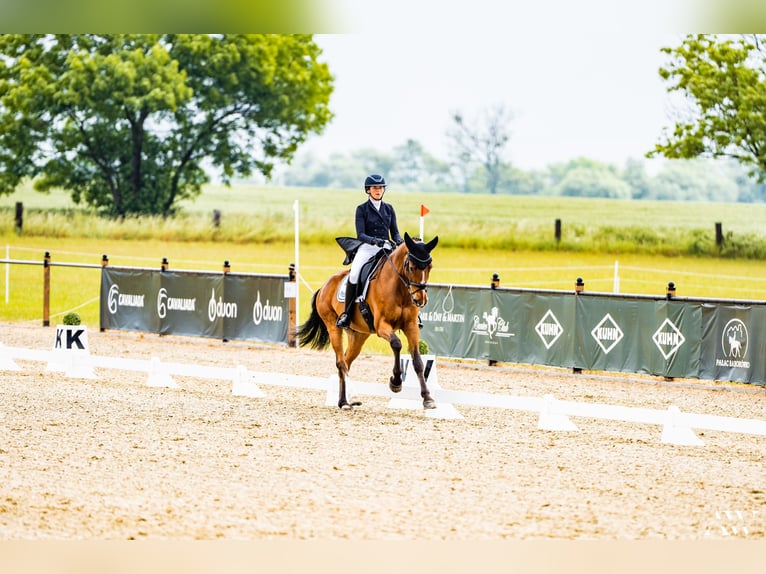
350 246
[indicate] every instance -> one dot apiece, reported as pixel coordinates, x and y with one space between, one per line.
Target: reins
406 280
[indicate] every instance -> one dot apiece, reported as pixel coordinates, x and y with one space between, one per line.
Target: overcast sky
580 78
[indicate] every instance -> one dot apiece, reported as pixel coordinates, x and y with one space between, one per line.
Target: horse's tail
313 332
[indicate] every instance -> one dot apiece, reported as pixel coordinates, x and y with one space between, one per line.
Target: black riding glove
378 242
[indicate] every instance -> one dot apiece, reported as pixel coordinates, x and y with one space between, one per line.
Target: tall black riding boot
344 321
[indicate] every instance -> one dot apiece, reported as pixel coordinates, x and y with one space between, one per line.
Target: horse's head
417 267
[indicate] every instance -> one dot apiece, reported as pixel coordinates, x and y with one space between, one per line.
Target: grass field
257 229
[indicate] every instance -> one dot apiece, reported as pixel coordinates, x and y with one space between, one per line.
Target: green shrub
71 319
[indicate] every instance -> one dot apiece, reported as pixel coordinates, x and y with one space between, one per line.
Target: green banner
733 343
199 304
128 300
255 308
638 336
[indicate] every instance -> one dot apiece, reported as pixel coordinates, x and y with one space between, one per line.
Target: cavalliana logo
734 343
607 333
668 338
166 303
549 329
116 299
265 311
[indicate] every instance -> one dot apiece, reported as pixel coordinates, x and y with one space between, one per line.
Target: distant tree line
410 167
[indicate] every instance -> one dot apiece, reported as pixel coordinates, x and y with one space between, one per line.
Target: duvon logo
220 308
491 324
734 343
265 311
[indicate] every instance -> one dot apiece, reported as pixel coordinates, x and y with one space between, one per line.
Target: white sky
580 77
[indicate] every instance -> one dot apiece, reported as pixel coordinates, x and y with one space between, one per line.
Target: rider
375 225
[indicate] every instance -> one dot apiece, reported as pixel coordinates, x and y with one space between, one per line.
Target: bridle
409 262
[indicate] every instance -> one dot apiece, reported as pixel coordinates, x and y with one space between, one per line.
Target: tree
724 81
481 145
126 123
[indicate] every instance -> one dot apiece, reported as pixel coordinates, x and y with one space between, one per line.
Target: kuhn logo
668 338
549 329
607 333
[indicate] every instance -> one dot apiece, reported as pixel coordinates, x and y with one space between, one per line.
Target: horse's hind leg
336 338
356 341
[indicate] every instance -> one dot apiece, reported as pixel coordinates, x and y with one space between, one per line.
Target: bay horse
397 291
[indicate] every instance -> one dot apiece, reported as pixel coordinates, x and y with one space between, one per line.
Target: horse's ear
431 244
408 241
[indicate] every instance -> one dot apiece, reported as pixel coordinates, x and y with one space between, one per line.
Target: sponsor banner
733 343
236 307
609 333
128 299
446 321
672 348
183 303
546 328
254 308
637 336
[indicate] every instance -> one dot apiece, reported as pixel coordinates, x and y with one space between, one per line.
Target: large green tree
129 123
723 80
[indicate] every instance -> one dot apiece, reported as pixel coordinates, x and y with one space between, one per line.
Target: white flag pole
297 267
422 218
7 270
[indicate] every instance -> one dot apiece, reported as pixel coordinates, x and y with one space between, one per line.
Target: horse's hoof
393 386
355 402
429 404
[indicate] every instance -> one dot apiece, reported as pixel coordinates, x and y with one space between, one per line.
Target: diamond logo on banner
607 333
668 338
549 329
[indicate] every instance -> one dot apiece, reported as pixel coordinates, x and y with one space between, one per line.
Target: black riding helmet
374 179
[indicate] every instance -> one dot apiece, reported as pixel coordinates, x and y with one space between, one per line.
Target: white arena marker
410 381
550 419
243 385
6 360
331 400
158 377
78 365
673 432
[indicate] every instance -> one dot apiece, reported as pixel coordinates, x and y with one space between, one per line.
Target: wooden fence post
19 216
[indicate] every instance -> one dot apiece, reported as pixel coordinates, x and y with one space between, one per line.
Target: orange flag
424 210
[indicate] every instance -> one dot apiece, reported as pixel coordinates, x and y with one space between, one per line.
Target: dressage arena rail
677 426
669 336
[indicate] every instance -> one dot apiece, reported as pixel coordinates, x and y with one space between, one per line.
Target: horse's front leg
413 339
386 333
